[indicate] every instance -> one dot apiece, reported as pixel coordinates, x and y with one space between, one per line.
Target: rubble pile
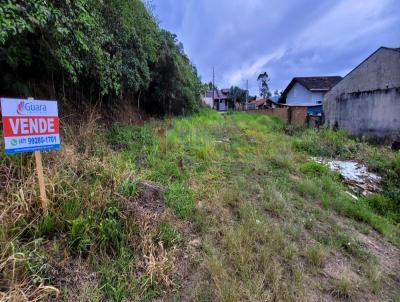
355 175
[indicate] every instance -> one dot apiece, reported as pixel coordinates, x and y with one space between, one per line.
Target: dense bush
326 143
390 170
91 51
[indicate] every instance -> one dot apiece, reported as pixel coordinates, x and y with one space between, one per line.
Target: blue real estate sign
30 125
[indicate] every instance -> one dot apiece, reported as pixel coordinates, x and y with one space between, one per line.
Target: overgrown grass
248 212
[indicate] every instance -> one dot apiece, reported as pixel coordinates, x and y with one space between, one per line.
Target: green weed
47 226
109 230
181 200
168 235
79 235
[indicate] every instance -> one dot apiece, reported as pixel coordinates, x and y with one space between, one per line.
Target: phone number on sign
42 140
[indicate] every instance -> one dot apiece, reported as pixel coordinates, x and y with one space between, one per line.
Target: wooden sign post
31 125
42 186
40 176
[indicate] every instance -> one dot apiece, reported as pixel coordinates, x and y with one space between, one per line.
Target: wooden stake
42 187
40 176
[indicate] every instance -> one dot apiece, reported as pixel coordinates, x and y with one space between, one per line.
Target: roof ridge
307 77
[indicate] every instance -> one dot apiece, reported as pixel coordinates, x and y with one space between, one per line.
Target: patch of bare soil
387 255
323 285
148 207
150 199
172 267
384 254
337 267
76 279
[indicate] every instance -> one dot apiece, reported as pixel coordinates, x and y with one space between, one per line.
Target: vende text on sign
30 125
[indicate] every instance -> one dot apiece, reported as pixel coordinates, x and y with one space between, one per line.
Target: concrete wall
301 95
367 101
380 71
373 114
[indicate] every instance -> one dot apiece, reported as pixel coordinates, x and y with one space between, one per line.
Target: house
308 92
208 101
220 99
367 101
257 104
271 102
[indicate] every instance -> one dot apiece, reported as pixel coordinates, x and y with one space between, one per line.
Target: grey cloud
242 38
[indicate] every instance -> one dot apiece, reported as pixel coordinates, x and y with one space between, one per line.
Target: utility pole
247 93
213 87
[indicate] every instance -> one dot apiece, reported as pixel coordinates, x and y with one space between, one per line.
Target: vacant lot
203 208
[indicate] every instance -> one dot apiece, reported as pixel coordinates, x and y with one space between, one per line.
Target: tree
86 51
175 88
237 95
263 80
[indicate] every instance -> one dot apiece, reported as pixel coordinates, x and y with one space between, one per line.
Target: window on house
319 102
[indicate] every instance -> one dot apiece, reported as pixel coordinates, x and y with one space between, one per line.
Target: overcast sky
242 38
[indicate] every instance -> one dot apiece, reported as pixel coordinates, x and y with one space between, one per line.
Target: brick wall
282 113
298 115
293 115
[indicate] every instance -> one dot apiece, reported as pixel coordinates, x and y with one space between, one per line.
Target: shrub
391 182
383 205
388 202
325 142
314 169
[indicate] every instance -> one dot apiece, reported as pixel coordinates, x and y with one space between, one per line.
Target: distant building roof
314 83
258 102
274 99
217 94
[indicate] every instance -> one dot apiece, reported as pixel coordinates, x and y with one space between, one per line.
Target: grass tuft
317 256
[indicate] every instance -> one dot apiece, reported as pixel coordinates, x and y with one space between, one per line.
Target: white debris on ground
355 175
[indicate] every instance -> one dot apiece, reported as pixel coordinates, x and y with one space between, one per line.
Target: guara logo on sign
30 107
30 125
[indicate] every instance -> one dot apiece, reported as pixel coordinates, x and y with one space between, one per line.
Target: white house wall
208 101
301 95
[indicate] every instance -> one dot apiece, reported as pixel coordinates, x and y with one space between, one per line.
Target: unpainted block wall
371 113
